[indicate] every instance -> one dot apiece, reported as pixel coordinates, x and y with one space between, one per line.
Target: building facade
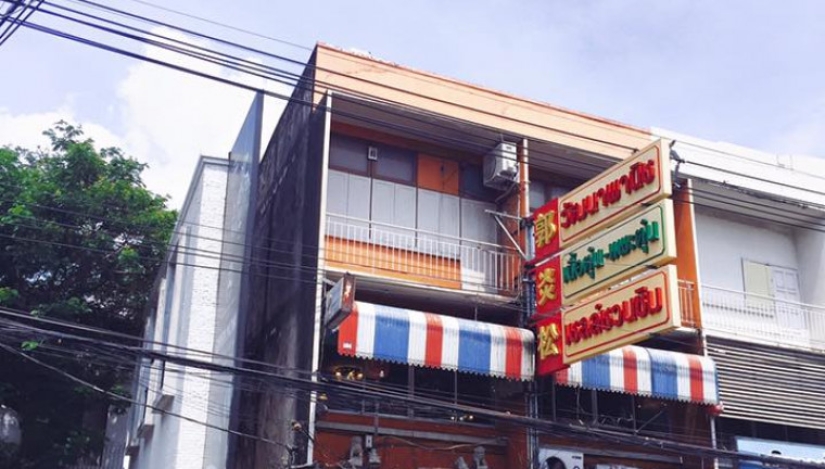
199 299
421 188
381 261
761 260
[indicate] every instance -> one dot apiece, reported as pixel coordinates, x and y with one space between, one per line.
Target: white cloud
173 117
170 118
26 130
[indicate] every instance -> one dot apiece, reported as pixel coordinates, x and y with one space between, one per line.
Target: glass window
472 185
616 410
573 403
652 416
395 164
537 196
348 154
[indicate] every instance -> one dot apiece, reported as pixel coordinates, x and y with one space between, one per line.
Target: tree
81 240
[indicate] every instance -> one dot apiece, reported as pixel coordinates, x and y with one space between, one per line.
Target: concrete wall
724 241
810 249
233 281
175 442
279 328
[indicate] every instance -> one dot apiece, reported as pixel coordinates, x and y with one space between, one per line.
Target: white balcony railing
422 256
762 319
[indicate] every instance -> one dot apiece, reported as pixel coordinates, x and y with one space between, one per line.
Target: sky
742 71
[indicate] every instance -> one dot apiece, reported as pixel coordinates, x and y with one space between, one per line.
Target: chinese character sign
548 286
546 230
549 356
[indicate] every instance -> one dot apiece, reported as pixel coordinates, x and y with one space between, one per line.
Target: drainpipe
529 303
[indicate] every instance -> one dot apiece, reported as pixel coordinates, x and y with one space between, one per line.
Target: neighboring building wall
810 250
233 282
192 277
724 241
280 325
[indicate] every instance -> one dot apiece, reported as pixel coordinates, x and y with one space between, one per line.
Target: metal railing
762 319
687 292
422 256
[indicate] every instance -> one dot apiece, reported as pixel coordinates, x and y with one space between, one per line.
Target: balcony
418 256
762 319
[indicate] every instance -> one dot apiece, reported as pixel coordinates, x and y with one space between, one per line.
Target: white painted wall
724 242
175 442
794 177
810 249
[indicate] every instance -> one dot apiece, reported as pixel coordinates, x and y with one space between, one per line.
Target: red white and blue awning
647 372
430 340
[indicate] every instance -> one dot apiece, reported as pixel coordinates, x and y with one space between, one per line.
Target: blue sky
747 72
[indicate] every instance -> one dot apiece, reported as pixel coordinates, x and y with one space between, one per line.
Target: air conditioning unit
501 166
549 458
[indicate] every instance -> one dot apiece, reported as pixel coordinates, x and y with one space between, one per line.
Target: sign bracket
498 217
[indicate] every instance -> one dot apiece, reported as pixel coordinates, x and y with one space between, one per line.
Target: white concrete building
185 317
760 243
198 301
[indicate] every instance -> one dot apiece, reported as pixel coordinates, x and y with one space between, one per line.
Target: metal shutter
770 384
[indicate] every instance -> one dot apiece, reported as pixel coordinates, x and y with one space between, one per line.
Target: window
392 163
471 184
348 154
774 292
537 197
432 383
395 164
771 281
605 409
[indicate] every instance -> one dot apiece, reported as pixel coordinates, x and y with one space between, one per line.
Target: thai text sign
626 315
642 241
603 200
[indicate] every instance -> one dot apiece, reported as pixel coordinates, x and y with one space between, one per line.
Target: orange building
421 187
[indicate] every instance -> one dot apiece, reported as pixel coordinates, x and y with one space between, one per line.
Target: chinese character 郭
544 229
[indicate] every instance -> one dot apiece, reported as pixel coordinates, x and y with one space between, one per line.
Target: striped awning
647 372
430 340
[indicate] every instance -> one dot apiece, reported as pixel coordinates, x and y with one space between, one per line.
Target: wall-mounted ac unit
501 166
549 458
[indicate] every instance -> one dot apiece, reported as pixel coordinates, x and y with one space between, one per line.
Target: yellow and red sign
641 241
602 201
626 315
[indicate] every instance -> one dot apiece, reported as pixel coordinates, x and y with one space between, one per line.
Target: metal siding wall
770 384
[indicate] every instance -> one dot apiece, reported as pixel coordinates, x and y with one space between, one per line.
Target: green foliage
81 239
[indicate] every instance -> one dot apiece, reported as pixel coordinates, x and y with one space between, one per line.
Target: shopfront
637 391
422 356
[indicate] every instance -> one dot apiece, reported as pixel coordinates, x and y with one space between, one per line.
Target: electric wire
345 57
717 168
86 1
549 427
14 24
314 67
402 389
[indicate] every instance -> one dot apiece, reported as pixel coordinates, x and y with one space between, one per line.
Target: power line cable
25 9
550 427
315 67
254 64
107 20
